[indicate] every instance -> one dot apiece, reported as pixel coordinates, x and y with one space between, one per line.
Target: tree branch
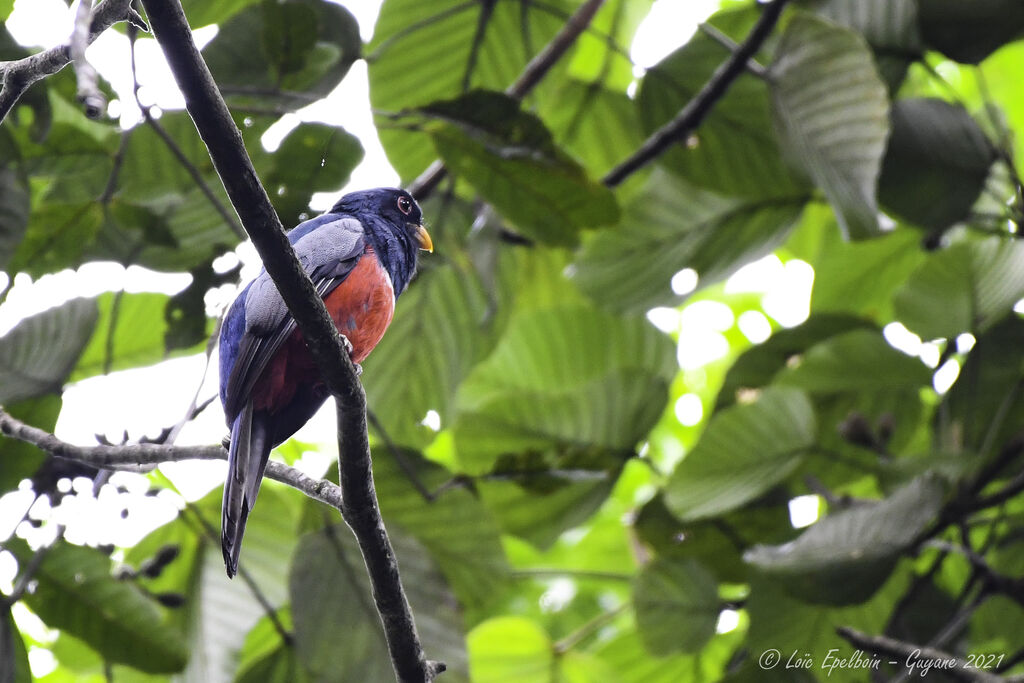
20 74
359 505
687 120
952 666
88 80
534 72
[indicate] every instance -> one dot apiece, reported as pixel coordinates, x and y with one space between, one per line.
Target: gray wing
328 253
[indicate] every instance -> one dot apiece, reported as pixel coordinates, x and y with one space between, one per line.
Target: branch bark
534 72
20 74
224 142
690 116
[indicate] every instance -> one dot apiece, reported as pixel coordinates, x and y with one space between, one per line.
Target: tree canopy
585 503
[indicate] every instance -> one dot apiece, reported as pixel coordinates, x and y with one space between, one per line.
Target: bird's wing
328 253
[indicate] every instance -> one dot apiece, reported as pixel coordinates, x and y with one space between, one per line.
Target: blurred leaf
734 151
446 314
508 156
337 629
808 108
21 460
37 356
201 13
564 376
861 277
626 654
75 592
843 558
860 360
425 52
889 26
14 664
743 452
966 287
306 47
14 200
759 364
970 32
510 649
600 55
936 163
676 605
670 226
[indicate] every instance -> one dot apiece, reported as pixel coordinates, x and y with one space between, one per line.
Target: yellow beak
426 243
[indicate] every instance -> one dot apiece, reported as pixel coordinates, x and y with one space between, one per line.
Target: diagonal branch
20 74
359 505
687 120
534 72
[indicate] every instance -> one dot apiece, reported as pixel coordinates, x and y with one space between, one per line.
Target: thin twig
729 44
588 629
25 578
687 120
534 72
908 653
88 80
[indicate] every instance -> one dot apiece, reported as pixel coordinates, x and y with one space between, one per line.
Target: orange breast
362 307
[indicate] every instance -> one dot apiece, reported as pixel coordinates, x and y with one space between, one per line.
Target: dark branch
88 80
534 72
20 74
908 653
687 120
359 506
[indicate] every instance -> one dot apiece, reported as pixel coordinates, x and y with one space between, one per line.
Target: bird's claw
359 369
347 343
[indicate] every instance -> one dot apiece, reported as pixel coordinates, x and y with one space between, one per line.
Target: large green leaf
510 649
305 48
745 450
734 151
759 364
631 661
201 13
76 592
831 111
676 604
423 52
969 32
445 312
21 460
509 157
337 629
568 376
860 360
845 557
671 226
37 356
936 163
967 287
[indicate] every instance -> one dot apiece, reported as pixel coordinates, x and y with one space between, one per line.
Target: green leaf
201 13
337 630
734 151
860 360
14 205
508 156
37 356
676 605
836 135
860 278
564 376
670 226
845 557
425 52
760 363
21 460
306 47
967 287
75 592
628 657
283 665
936 164
745 450
14 664
446 313
510 649
970 32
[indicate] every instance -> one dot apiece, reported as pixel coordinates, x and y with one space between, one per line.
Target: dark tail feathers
247 458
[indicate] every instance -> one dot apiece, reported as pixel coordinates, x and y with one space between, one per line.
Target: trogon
360 256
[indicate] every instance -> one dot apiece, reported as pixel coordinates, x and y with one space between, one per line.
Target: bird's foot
347 343
359 369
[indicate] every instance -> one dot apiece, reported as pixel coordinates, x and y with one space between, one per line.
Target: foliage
562 523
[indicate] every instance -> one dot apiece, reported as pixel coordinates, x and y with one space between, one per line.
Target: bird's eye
405 205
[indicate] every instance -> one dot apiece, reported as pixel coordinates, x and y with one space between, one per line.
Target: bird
360 255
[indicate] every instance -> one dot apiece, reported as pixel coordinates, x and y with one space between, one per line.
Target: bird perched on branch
360 255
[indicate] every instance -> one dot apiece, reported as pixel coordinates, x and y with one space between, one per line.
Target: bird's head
396 208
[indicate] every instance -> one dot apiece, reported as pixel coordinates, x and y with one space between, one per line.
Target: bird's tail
247 458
